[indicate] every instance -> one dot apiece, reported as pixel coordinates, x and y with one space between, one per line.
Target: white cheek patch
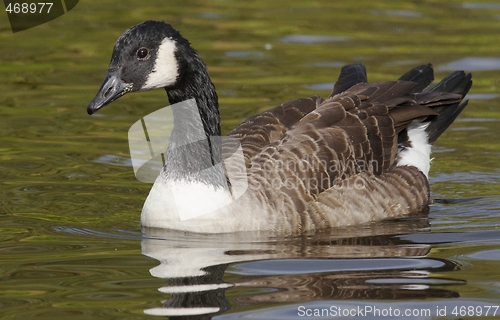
165 70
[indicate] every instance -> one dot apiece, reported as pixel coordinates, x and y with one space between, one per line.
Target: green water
71 242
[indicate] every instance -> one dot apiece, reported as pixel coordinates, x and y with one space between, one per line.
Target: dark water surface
71 242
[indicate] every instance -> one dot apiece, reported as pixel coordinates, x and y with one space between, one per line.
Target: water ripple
312 39
469 5
472 64
282 267
114 160
320 86
121 234
488 255
245 54
482 96
399 13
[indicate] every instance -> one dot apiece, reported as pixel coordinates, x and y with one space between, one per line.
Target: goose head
154 55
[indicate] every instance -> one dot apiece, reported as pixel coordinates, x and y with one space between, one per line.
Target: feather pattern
340 157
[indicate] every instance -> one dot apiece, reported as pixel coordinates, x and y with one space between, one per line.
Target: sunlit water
71 242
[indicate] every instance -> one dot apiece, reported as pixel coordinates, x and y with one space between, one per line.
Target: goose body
362 154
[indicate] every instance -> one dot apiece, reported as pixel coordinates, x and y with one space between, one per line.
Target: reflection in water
369 262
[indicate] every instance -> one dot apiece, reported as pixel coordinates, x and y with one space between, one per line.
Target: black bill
111 89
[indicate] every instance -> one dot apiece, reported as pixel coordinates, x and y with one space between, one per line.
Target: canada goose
361 155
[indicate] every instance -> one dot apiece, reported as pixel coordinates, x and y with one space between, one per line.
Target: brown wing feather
265 128
317 146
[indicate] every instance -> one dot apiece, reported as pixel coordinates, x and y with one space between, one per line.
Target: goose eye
142 53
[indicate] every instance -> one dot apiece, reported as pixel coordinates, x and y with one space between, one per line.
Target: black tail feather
441 122
350 75
457 82
422 75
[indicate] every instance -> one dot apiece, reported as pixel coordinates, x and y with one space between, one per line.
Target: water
71 242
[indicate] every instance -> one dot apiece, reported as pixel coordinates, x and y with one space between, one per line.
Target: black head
146 56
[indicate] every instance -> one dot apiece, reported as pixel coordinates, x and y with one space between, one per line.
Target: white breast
197 207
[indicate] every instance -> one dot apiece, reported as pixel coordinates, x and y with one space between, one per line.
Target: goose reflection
365 262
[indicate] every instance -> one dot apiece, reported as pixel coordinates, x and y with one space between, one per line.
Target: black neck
194 82
191 151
